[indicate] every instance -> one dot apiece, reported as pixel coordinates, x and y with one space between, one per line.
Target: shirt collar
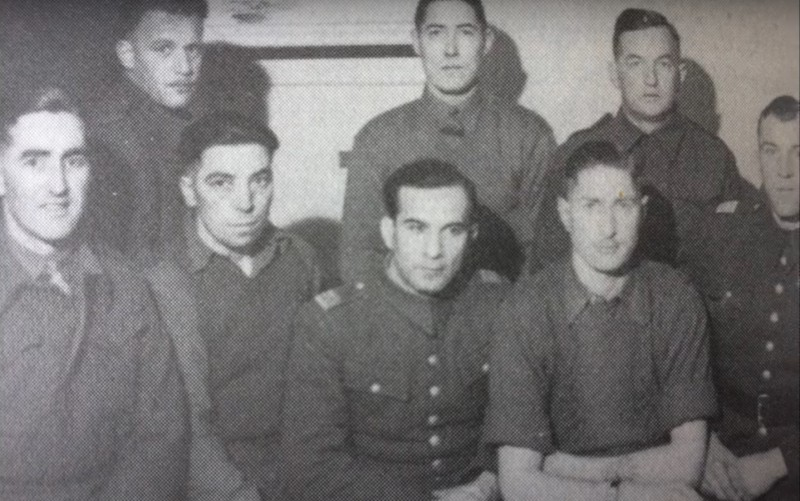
633 297
135 100
201 247
668 136
442 113
418 310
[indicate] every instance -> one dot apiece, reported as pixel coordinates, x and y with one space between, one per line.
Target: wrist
775 463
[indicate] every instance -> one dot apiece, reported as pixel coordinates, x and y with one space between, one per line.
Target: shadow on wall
501 70
324 236
232 80
698 97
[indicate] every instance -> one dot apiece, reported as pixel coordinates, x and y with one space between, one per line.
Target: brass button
359 285
435 440
728 294
774 317
433 419
485 368
766 375
784 261
778 288
433 360
436 464
375 388
434 391
770 346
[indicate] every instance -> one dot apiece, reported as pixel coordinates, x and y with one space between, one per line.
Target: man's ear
488 40
126 54
564 215
188 191
682 71
415 41
473 232
2 182
387 232
644 201
613 75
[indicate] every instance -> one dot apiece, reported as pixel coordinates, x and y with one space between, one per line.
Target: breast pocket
379 401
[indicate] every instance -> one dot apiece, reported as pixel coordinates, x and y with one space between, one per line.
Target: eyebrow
35 153
76 151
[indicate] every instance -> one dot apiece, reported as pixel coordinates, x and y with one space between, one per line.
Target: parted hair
222 128
594 154
422 10
131 12
784 108
641 19
33 100
426 173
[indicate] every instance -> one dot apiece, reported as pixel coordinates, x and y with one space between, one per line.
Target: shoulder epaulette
328 299
491 277
728 207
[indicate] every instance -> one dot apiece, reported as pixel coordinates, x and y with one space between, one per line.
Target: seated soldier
600 381
92 402
388 378
747 271
229 288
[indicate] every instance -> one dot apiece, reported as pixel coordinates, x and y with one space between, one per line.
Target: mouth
607 248
55 208
182 87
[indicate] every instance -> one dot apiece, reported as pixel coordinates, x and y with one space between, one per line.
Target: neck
648 125
26 240
787 223
605 285
452 99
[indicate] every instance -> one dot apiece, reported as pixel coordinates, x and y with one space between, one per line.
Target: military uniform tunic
387 392
685 171
748 273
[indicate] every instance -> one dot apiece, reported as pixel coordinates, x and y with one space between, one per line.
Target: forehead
449 12
774 130
604 182
46 131
234 159
156 24
656 41
442 205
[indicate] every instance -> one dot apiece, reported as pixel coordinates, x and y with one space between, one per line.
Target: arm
361 246
152 463
318 463
680 461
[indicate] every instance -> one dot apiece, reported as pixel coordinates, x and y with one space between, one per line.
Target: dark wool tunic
387 391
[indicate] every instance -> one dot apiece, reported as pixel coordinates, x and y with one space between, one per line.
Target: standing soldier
502 147
684 169
388 378
747 270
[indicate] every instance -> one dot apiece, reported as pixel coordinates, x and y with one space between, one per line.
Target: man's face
428 237
602 215
231 192
451 43
44 175
162 56
648 73
780 168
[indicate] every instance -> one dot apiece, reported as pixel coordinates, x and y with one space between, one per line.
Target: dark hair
593 154
33 100
422 10
784 108
641 19
426 173
222 128
131 12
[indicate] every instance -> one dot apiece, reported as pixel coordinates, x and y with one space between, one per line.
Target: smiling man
136 124
93 405
747 270
601 381
501 146
229 288
685 170
388 377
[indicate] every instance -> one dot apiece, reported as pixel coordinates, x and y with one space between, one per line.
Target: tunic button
766 375
433 360
778 288
359 285
774 317
434 391
436 464
375 388
434 440
784 260
485 368
433 419
728 294
770 346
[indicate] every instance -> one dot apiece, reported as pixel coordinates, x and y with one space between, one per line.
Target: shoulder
728 217
602 129
130 289
669 289
487 287
301 250
705 138
334 304
521 117
389 121
534 294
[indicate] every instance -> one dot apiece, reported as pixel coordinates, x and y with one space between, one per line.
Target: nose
182 62
243 198
650 75
57 181
607 223
787 166
451 46
433 246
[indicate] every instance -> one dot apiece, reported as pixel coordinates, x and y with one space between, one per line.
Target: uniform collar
135 100
442 113
577 297
200 251
668 136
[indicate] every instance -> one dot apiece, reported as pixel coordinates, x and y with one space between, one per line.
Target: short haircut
131 12
641 19
426 173
33 100
594 154
222 128
784 108
422 11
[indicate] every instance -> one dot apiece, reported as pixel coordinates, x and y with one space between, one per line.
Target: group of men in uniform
160 339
